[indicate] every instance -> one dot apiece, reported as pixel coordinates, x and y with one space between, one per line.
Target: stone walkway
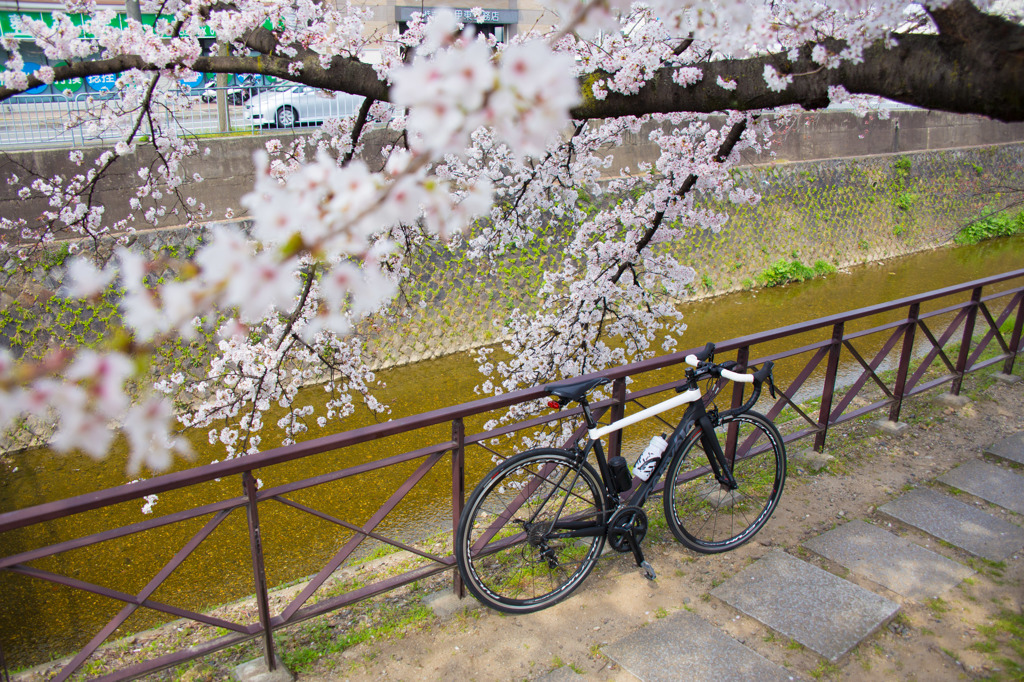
822 611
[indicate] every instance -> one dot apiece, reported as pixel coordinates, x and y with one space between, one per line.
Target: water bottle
648 459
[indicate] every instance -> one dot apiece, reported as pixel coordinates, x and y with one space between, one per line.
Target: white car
234 94
298 105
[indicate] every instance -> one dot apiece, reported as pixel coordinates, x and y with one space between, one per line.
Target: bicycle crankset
626 529
623 522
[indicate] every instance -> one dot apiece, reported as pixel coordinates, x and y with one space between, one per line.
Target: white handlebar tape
731 376
741 378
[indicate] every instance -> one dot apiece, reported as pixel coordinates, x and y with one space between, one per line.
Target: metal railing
901 348
56 120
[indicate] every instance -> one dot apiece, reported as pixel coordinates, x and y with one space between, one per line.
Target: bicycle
535 526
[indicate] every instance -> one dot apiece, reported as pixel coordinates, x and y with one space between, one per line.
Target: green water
40 620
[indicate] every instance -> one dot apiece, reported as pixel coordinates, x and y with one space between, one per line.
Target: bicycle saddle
576 389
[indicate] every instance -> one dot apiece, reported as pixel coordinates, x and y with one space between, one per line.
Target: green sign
8 30
71 84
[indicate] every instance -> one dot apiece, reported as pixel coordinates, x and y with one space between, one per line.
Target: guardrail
56 120
903 348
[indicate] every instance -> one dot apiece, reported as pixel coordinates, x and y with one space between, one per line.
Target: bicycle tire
708 519
503 546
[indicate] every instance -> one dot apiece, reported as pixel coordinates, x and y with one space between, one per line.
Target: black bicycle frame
696 414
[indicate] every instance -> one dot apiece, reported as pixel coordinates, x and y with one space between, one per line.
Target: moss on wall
817 215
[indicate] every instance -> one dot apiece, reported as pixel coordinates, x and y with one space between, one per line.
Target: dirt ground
968 633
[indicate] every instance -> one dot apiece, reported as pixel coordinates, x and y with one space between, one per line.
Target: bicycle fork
716 457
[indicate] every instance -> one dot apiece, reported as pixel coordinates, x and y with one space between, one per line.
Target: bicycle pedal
648 570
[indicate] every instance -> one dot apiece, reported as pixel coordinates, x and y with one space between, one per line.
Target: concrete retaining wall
228 172
843 211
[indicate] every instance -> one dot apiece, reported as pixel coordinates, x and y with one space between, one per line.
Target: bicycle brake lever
771 385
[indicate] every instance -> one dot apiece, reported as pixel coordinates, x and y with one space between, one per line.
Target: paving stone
957 523
890 561
1011 448
989 482
825 613
684 646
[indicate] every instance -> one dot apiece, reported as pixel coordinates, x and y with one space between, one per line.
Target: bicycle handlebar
716 370
701 360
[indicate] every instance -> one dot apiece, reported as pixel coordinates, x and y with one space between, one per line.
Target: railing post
618 411
905 355
965 343
732 434
828 390
458 491
258 570
1015 338
69 108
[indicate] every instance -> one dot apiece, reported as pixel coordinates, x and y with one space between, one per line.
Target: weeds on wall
1003 224
783 272
812 218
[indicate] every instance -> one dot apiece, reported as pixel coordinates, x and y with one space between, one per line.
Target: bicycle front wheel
522 543
704 515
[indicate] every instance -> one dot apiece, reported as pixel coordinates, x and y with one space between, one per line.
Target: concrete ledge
889 428
256 671
446 602
810 459
1007 378
894 562
989 482
950 400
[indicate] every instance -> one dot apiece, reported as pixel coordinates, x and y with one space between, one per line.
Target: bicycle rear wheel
511 543
709 519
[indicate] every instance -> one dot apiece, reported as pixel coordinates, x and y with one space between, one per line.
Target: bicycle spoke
703 515
509 545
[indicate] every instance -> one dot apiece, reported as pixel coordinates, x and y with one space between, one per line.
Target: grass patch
992 569
1004 643
824 669
937 605
320 638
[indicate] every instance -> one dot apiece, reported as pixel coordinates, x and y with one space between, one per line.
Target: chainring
624 521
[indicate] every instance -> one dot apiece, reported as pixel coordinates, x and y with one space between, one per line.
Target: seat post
588 416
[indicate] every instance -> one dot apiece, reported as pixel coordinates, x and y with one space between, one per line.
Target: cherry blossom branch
728 144
357 129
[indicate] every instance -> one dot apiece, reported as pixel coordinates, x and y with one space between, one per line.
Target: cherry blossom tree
491 142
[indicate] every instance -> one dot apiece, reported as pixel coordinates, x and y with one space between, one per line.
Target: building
500 18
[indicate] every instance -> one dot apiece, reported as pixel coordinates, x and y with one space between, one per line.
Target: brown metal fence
897 350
